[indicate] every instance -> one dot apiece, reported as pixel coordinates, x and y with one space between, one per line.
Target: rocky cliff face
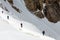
35 5
30 5
51 10
12 4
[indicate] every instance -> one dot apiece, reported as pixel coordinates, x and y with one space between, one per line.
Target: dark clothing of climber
7 17
2 11
43 32
21 25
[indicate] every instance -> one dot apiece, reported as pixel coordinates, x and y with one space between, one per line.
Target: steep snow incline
11 29
42 24
7 32
25 15
16 23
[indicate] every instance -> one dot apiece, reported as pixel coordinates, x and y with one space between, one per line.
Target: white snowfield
12 26
7 32
27 18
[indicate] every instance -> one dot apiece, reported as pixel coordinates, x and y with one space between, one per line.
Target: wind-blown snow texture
9 29
51 29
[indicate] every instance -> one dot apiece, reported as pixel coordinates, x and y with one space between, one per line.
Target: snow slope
16 23
9 29
42 24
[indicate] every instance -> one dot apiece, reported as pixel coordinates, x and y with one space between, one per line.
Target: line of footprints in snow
43 32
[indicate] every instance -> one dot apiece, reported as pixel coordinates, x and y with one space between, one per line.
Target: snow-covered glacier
32 25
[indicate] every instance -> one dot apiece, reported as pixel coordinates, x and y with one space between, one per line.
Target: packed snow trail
7 32
16 25
27 16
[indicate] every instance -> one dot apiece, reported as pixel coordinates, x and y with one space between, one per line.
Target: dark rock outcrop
50 1
30 5
10 1
51 10
12 4
16 9
39 14
34 5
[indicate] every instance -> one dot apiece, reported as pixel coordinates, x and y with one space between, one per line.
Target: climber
2 11
21 25
43 32
7 17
